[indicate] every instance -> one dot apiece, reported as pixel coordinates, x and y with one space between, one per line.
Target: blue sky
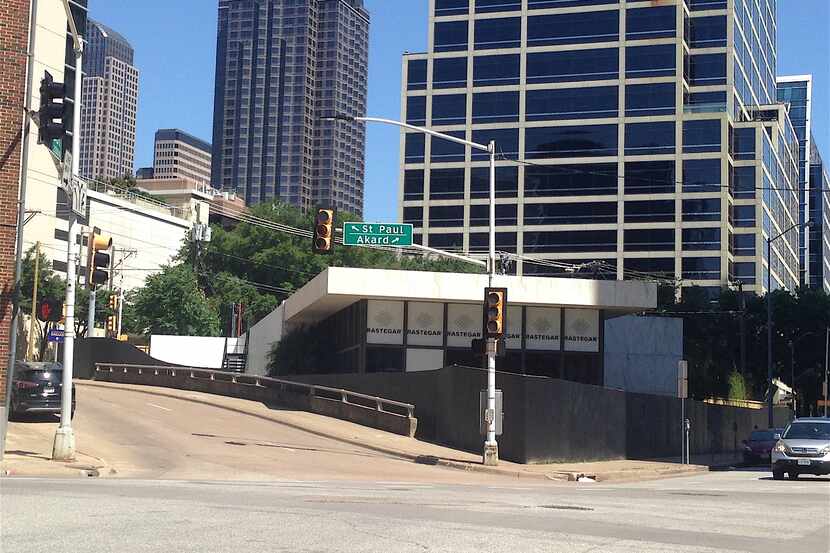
175 44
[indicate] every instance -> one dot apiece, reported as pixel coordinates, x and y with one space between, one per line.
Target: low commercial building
406 321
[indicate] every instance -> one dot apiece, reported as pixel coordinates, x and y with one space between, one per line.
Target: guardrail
377 412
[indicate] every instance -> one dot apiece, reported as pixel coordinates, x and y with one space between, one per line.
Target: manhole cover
566 507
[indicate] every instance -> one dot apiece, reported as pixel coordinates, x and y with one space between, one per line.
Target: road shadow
29 454
801 477
38 419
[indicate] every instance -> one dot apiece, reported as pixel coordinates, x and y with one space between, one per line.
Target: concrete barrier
366 410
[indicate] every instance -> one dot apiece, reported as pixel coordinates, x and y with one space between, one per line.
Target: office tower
280 66
819 249
178 154
109 102
647 134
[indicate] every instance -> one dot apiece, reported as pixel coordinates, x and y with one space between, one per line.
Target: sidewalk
419 451
29 453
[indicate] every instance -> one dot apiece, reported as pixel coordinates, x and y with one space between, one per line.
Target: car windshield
808 431
50 374
762 436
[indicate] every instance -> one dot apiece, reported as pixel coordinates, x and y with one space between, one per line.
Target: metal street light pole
491 451
826 352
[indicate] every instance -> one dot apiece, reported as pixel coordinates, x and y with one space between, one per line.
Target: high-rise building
177 154
280 66
109 103
819 249
642 135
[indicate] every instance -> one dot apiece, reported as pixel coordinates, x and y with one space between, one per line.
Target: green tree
737 386
171 302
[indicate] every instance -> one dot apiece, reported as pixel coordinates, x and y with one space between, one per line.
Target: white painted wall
193 351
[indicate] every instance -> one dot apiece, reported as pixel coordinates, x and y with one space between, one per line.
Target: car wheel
792 475
778 475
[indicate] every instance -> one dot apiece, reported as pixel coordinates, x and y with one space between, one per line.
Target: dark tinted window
498 33
507 143
379 359
485 6
416 74
649 177
480 215
743 182
743 216
413 184
545 4
650 61
701 209
701 268
653 266
449 109
495 107
446 216
570 241
695 5
496 70
586 140
573 28
451 7
442 150
701 239
580 65
416 110
808 431
649 138
743 144
743 244
571 180
414 148
414 215
658 22
505 241
449 73
707 69
507 182
446 184
572 103
703 102
450 36
701 135
649 99
701 175
588 213
648 240
707 32
49 373
655 211
446 241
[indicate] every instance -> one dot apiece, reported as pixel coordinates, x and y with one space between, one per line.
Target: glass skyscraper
643 135
280 66
819 248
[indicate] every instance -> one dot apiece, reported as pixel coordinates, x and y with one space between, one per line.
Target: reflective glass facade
638 128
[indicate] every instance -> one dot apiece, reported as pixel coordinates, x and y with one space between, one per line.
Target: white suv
804 448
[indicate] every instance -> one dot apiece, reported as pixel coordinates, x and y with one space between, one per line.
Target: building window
654 211
701 209
743 183
696 5
580 65
451 7
416 110
450 36
495 107
446 241
446 184
649 177
579 141
570 241
743 244
743 216
658 22
705 102
663 267
571 180
744 272
650 61
707 69
485 6
545 4
702 175
446 216
414 148
495 70
649 240
507 182
449 73
449 109
701 268
649 138
743 144
507 143
505 215
701 135
444 151
573 28
707 32
572 103
571 213
414 215
701 239
505 241
498 33
649 99
413 184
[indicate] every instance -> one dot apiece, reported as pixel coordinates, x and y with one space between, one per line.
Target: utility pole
63 448
33 322
742 322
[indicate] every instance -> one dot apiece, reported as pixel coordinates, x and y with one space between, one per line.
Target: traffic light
50 310
113 302
98 262
323 241
495 307
51 124
111 324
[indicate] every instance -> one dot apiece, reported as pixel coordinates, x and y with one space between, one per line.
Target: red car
759 445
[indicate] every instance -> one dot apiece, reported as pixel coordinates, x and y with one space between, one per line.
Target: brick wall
14 25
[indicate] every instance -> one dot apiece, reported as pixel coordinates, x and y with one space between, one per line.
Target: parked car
804 448
37 389
759 445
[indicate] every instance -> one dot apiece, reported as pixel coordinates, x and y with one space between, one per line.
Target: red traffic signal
323 241
50 310
495 307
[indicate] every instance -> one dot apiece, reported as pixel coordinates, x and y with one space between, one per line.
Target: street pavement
720 511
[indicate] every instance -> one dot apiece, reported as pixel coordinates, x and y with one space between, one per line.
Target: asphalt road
736 511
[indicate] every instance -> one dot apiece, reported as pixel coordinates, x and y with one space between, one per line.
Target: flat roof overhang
338 287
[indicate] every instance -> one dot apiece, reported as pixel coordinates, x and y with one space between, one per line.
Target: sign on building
582 330
384 322
543 328
463 324
425 324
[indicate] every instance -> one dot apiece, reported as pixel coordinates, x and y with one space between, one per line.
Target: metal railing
354 398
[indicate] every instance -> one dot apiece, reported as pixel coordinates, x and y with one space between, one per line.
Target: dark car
759 445
37 389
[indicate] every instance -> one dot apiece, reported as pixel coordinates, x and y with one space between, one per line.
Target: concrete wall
261 338
194 351
641 354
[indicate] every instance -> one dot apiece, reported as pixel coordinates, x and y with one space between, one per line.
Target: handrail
379 403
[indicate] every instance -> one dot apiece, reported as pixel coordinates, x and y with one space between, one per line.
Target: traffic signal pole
491 447
63 448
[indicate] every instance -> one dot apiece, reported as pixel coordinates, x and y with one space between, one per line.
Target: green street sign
377 234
